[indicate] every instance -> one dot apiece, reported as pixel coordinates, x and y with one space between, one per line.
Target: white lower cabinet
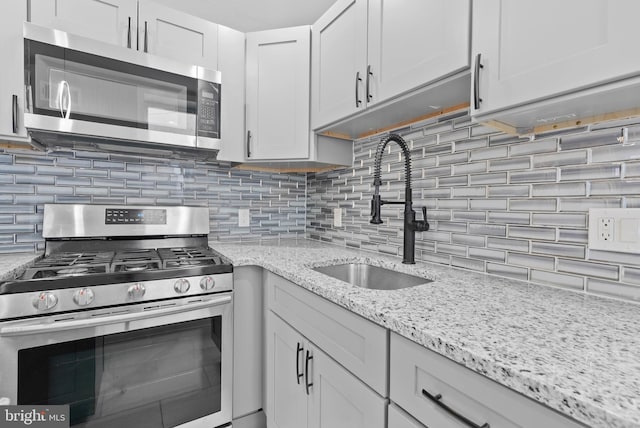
309 342
400 419
287 400
441 393
307 388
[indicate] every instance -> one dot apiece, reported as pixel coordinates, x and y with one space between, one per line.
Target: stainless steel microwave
86 94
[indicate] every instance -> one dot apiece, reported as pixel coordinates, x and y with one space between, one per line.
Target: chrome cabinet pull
437 399
358 79
146 37
14 112
476 83
129 34
307 384
298 374
248 144
369 74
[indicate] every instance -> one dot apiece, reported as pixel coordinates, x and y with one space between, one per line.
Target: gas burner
136 261
74 271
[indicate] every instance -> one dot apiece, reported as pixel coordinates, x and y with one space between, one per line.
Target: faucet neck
377 180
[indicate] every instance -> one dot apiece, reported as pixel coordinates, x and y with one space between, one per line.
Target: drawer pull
298 374
437 400
307 384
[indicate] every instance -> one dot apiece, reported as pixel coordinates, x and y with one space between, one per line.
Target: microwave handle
68 89
95 322
59 96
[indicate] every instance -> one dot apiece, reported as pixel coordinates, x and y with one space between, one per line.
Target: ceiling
254 15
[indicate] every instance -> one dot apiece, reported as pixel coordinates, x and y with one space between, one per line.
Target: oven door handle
23 330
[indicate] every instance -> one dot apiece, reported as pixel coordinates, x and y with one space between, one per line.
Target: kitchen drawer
400 419
414 368
357 344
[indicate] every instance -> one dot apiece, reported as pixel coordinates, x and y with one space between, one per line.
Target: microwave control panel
208 109
135 216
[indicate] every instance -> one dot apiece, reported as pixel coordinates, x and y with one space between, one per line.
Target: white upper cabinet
527 51
339 62
173 34
141 25
231 63
367 52
278 93
415 42
110 21
12 83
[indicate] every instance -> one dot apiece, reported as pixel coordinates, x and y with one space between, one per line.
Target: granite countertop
575 353
14 264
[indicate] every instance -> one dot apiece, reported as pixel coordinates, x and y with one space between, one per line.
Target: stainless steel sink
374 277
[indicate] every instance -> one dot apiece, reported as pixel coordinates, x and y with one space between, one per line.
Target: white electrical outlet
337 217
605 228
243 217
614 229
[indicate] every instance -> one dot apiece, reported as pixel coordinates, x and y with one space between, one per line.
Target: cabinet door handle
298 374
369 74
129 34
437 399
307 384
358 79
476 83
146 37
248 144
14 111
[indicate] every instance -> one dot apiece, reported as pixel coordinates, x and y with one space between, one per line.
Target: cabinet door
339 62
177 35
110 21
286 397
415 42
399 419
534 49
338 399
278 93
231 49
12 85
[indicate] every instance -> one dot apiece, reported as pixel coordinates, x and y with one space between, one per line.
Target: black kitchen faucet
411 225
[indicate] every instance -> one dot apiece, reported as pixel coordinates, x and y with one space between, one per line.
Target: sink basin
374 277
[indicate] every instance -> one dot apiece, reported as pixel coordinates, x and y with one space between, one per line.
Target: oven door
162 364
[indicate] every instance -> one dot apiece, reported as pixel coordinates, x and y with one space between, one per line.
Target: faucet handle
422 225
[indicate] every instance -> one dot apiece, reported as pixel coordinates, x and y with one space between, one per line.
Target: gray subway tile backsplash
525 204
500 204
99 178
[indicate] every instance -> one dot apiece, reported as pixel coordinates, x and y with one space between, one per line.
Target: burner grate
136 261
69 264
192 256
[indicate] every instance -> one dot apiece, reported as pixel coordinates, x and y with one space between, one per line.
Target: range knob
136 291
181 286
44 301
207 283
83 296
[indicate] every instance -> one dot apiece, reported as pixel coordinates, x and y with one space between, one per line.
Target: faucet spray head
376 203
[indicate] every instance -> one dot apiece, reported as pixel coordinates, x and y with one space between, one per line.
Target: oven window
158 377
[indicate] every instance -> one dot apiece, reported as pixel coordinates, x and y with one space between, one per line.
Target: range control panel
135 216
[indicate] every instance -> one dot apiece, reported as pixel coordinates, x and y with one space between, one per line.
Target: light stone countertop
576 353
14 264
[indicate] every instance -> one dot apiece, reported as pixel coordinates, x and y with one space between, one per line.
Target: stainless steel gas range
127 319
